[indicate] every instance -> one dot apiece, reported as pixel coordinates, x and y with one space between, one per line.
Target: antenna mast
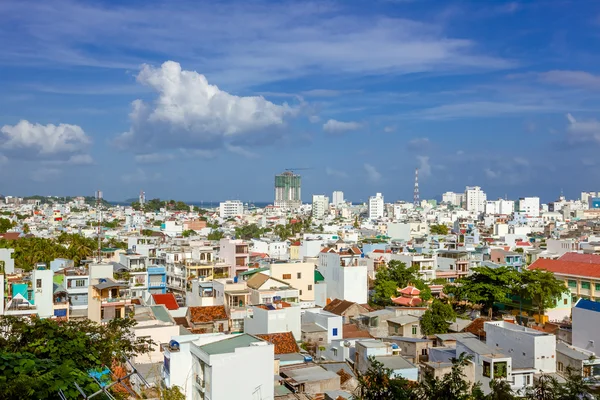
416 194
99 215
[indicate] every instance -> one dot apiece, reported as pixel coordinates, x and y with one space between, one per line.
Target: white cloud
191 113
418 144
571 78
482 109
319 36
45 140
240 151
153 158
140 175
335 173
491 174
389 129
424 166
583 131
372 173
314 119
334 126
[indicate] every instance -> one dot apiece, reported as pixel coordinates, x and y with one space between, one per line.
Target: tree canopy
40 356
439 229
436 319
485 286
395 275
32 250
5 225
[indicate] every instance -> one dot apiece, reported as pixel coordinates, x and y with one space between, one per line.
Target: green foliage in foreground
40 356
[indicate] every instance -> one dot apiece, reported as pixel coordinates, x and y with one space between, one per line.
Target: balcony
156 270
115 301
199 382
157 285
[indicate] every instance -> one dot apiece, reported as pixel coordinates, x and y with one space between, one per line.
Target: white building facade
231 208
376 206
475 199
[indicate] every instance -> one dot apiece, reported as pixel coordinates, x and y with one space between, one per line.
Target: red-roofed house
582 279
579 257
168 300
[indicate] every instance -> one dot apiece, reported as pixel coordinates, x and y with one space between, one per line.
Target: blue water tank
308 358
235 278
395 346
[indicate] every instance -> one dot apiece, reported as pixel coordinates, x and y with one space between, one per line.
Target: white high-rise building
530 206
500 206
376 206
475 199
455 199
231 208
320 205
338 198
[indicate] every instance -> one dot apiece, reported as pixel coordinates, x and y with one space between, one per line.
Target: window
414 329
287 276
300 292
309 288
80 282
528 380
500 369
487 369
395 329
38 283
585 285
299 275
423 352
334 352
572 284
597 286
335 330
561 366
566 301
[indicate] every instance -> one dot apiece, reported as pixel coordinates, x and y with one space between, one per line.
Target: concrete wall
9 263
159 334
586 334
527 346
274 321
305 283
331 322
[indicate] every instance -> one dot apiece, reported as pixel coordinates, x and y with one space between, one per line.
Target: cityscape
299 200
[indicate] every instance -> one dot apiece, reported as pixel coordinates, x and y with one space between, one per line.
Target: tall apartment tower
376 206
338 198
475 199
287 190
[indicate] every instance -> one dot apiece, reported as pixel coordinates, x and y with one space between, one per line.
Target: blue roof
588 305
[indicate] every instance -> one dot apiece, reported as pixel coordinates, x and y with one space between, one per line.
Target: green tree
453 385
248 232
388 279
436 319
541 287
40 356
188 233
215 235
5 225
26 229
378 383
500 390
485 286
439 229
147 232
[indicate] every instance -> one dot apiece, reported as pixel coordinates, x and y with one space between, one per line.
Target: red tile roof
207 314
476 327
578 257
521 243
168 300
407 301
351 331
410 290
339 307
10 235
562 267
284 342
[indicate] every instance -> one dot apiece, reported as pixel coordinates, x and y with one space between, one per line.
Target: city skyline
216 101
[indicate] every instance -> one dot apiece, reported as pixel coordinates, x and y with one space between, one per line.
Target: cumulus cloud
372 173
334 126
314 119
191 113
335 173
583 131
240 151
424 165
27 140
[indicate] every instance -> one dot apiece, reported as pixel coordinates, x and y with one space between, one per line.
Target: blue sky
208 100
